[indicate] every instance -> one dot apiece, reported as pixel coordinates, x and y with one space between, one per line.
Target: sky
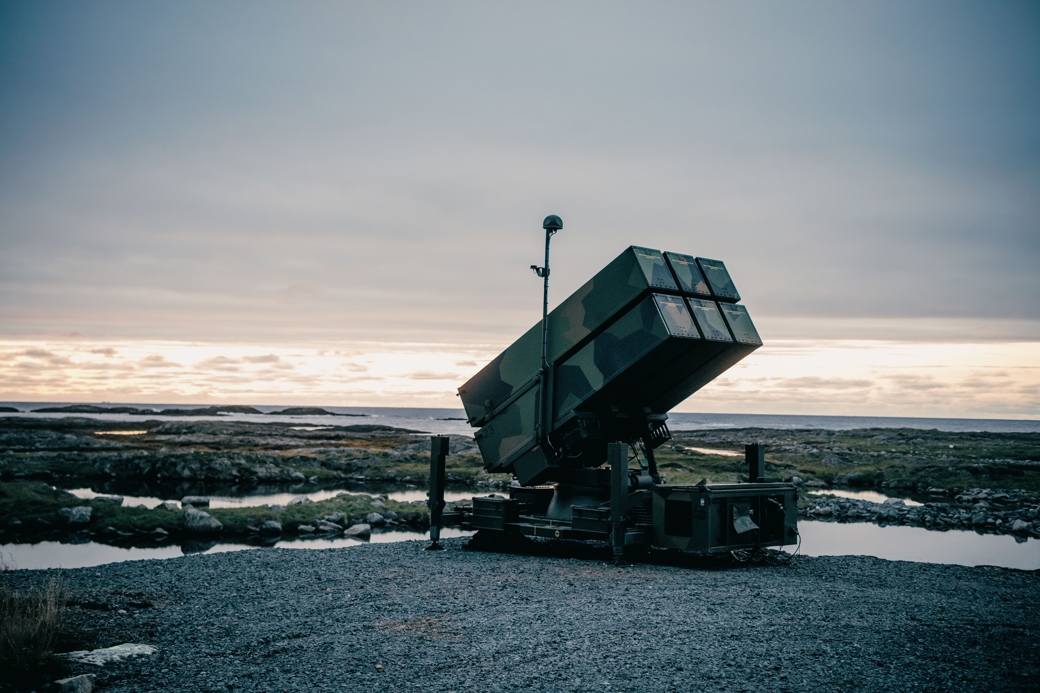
337 203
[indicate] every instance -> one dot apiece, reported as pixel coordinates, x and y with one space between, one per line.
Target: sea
444 421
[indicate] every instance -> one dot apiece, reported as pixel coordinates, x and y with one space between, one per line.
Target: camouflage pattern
632 275
640 336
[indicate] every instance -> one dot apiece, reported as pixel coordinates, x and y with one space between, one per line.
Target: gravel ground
392 617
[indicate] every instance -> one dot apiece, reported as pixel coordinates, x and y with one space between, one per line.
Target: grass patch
32 624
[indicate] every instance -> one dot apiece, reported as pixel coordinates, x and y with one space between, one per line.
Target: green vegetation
36 506
869 458
33 624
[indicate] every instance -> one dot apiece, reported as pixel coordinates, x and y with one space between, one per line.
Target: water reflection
52 554
872 496
898 543
405 496
818 539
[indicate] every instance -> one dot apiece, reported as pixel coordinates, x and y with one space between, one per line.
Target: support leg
438 455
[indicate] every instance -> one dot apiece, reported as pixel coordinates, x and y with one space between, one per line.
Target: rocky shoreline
393 617
984 511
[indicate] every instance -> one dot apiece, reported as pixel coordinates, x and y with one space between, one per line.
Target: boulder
108 655
114 500
797 481
200 522
334 518
271 527
328 528
80 515
296 476
816 483
978 518
195 501
305 529
299 500
84 683
358 531
1021 527
850 479
170 505
376 503
375 519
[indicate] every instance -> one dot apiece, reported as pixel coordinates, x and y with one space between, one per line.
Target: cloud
157 361
431 375
267 358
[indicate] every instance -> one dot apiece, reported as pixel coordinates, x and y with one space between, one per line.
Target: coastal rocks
981 518
84 683
195 501
108 655
200 522
79 515
362 531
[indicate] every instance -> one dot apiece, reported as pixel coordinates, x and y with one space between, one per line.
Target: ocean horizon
450 421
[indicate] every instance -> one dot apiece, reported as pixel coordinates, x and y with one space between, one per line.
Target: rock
296 476
271 527
850 479
376 503
390 515
80 515
375 519
195 501
797 481
328 528
160 532
170 505
824 511
816 483
110 654
1020 527
299 500
277 508
84 683
358 531
200 522
305 529
978 518
334 518
114 500
312 479
894 501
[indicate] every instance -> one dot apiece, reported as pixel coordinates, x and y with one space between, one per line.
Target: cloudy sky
337 203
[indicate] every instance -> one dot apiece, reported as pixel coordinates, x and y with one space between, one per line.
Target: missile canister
641 336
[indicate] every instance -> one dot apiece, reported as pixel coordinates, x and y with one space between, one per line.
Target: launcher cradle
579 435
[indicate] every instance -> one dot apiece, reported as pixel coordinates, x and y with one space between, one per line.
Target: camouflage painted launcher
645 333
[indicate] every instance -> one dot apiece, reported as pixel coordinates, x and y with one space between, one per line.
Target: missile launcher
645 333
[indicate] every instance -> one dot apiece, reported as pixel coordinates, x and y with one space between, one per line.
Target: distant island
200 411
8 410
308 411
94 409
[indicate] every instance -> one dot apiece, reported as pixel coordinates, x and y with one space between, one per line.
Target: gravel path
391 617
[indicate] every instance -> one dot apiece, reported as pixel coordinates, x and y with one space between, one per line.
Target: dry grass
31 622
